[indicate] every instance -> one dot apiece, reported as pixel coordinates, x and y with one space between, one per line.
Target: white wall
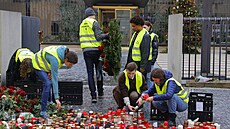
10 38
175 30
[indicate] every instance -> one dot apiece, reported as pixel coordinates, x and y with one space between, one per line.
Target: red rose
145 96
17 109
12 87
1 95
102 54
11 91
22 93
2 88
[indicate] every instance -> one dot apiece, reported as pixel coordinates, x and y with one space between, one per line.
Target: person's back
90 40
20 67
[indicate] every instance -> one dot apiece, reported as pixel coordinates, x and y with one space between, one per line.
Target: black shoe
94 99
172 119
100 94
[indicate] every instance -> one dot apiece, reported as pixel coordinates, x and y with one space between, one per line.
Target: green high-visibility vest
136 53
87 38
139 82
183 94
23 53
153 35
39 61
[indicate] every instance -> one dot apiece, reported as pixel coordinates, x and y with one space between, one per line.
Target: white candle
180 126
217 126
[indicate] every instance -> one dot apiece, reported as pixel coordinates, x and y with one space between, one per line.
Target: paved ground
78 72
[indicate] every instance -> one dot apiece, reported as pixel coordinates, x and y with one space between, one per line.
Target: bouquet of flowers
13 101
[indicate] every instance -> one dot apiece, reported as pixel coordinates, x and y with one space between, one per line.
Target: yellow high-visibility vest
183 94
87 38
139 82
39 61
136 53
23 53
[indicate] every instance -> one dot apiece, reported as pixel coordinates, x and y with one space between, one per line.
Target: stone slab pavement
221 101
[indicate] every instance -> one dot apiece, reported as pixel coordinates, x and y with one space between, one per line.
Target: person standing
154 43
46 63
90 39
171 95
131 83
139 47
20 67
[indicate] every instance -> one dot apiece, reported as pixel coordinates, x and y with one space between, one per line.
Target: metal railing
206 44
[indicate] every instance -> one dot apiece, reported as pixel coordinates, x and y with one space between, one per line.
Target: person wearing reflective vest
90 39
131 83
46 63
139 47
171 95
154 45
20 67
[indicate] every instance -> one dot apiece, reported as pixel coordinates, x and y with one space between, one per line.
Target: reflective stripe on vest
139 82
136 53
23 53
183 94
87 38
39 61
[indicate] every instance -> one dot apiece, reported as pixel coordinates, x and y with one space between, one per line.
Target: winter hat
89 12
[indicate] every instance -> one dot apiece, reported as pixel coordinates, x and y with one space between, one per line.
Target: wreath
111 55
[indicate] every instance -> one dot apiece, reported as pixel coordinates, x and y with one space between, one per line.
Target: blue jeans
92 60
148 78
46 92
172 105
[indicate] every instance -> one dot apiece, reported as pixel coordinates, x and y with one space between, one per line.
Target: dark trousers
92 61
133 97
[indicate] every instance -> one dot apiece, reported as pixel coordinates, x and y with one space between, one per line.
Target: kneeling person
171 96
131 83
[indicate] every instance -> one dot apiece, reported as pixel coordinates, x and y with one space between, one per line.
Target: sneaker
94 100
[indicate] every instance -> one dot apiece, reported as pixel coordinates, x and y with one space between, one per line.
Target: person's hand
58 104
139 102
131 108
49 76
149 99
142 70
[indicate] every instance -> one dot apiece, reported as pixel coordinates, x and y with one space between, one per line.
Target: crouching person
131 83
170 95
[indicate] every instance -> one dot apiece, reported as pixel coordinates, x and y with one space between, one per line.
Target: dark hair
71 56
147 23
25 67
131 66
158 73
137 20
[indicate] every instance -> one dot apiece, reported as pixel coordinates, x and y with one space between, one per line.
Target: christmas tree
192 29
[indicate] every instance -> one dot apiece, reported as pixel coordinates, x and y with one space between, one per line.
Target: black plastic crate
156 114
203 116
200 106
70 92
32 89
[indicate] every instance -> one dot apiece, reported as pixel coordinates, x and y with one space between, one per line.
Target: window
54 28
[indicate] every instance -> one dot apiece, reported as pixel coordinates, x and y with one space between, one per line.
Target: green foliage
71 14
192 29
112 49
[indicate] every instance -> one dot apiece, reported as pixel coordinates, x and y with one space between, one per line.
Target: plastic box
70 92
200 106
156 114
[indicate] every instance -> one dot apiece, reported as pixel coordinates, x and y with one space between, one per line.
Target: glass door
123 16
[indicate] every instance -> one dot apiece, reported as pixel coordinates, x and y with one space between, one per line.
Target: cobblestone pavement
221 99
